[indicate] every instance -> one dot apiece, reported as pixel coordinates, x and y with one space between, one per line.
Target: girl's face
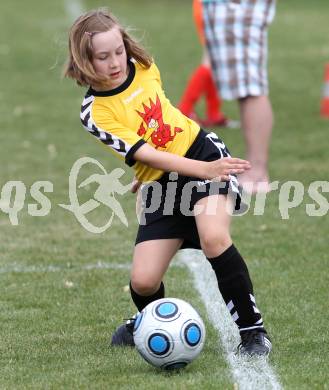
110 57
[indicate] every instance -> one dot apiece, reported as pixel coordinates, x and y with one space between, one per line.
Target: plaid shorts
236 37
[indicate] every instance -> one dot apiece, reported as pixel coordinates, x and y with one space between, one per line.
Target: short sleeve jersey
136 112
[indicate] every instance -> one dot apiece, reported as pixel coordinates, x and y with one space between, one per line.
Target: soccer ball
169 333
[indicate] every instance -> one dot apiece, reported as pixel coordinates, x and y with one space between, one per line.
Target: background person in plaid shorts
236 37
201 83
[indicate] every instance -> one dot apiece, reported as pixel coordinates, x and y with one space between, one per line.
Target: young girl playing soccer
187 172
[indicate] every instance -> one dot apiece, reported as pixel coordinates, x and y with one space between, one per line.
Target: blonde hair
79 65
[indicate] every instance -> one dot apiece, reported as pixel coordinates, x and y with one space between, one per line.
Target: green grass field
57 310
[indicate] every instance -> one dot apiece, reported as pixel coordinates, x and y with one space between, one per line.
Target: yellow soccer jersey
136 112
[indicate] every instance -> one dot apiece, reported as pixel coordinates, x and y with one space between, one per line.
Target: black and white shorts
167 204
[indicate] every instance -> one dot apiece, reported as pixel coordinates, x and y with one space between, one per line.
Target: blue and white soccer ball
169 333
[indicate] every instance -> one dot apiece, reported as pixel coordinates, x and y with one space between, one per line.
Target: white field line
73 8
19 268
248 373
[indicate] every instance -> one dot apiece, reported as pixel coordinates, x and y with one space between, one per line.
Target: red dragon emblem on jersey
153 118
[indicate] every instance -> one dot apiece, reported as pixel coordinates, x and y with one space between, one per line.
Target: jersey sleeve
122 140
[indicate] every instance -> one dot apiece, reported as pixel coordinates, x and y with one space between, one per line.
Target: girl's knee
143 285
213 244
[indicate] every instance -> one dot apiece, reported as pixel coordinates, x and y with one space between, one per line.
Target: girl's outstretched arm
168 162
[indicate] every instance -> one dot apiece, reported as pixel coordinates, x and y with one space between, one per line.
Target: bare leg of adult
257 122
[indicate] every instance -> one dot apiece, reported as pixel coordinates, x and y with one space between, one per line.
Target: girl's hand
221 169
135 184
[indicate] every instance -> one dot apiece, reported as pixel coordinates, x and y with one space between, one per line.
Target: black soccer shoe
254 343
123 336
